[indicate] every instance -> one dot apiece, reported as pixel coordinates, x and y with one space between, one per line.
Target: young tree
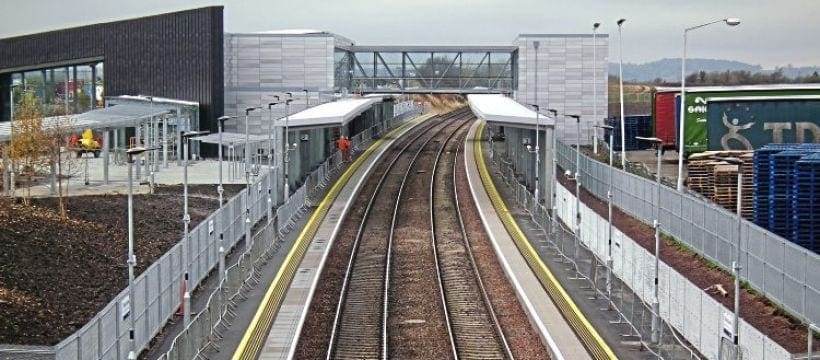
29 142
56 143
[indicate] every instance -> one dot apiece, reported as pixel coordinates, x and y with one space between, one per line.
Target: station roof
124 115
230 138
764 87
336 113
499 109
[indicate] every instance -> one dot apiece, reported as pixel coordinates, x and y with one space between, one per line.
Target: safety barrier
783 272
590 268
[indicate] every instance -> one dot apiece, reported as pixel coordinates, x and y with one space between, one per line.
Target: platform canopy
332 114
501 110
125 115
230 138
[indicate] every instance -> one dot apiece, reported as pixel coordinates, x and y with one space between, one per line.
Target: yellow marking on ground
593 341
254 338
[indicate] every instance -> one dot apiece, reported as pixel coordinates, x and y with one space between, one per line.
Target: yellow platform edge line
591 339
252 341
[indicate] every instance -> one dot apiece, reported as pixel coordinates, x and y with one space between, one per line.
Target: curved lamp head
621 22
732 21
596 25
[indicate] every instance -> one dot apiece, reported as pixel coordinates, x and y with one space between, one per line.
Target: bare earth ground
56 274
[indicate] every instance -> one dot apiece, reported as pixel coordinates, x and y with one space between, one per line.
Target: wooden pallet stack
701 177
725 185
717 180
747 206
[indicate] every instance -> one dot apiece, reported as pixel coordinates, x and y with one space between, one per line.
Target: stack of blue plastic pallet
806 203
761 181
635 125
786 177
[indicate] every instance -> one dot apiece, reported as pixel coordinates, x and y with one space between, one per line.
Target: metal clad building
566 79
176 55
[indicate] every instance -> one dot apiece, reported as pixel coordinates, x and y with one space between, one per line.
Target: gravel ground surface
755 309
313 342
522 338
417 326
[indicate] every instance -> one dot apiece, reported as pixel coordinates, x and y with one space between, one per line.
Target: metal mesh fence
623 302
157 294
784 272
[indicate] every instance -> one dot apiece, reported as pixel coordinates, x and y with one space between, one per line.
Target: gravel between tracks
523 339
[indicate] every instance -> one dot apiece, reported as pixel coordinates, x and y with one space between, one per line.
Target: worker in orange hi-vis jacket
344 146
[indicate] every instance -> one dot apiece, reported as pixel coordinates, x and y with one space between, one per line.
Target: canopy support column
105 145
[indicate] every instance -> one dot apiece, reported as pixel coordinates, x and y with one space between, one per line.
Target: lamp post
186 220
270 156
132 259
307 98
287 146
621 90
153 153
728 21
577 179
537 151
554 179
8 174
595 85
609 262
736 264
657 224
220 189
248 237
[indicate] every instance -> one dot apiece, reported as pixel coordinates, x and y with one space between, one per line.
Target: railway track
474 329
360 327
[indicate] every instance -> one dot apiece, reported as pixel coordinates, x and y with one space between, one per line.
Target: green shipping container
749 123
696 130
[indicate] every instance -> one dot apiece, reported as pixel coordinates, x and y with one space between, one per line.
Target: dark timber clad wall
176 55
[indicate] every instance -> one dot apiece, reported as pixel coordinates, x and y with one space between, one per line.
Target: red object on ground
343 144
665 117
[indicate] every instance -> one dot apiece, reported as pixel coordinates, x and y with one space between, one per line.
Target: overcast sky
773 32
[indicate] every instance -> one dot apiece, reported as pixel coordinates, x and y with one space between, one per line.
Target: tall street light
656 308
609 262
10 188
595 27
736 264
248 237
621 90
728 21
307 98
220 189
537 151
554 169
132 259
577 179
186 220
287 146
270 156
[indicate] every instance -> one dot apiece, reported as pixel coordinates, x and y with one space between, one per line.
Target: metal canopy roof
336 113
762 87
125 115
230 138
505 111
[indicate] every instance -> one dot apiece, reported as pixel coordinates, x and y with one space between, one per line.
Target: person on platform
344 146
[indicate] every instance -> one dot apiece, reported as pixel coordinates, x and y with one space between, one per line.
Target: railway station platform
275 328
284 313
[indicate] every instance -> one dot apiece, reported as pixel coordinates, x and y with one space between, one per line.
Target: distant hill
669 69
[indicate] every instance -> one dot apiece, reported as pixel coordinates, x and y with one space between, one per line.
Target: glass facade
62 90
425 71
